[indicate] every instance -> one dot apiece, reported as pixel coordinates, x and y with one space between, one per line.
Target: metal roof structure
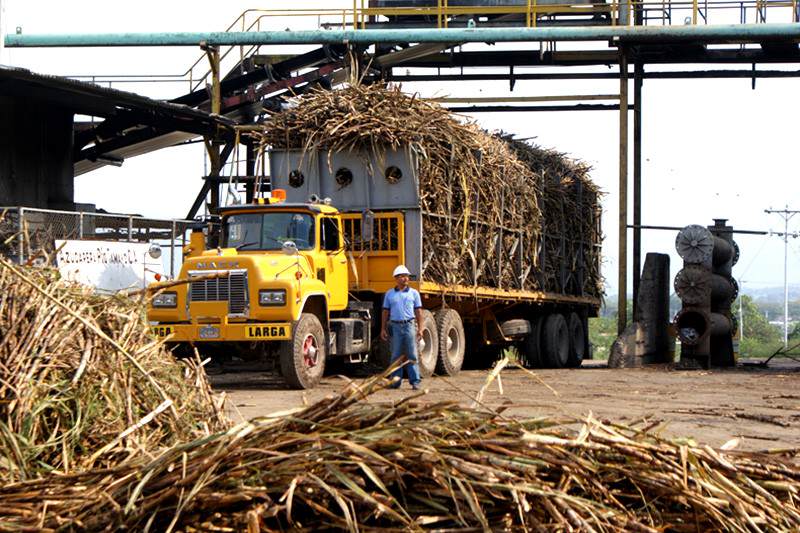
162 123
637 33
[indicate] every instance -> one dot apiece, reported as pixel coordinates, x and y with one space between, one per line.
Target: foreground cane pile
102 430
482 205
346 463
82 382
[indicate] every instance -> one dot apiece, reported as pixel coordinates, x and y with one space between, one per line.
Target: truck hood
269 265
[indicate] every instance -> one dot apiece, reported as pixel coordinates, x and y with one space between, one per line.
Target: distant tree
794 335
756 326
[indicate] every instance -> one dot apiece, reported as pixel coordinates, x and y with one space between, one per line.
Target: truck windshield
268 231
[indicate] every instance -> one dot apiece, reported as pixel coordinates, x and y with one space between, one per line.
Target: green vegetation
759 337
602 332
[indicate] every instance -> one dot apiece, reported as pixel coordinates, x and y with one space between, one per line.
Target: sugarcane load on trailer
501 239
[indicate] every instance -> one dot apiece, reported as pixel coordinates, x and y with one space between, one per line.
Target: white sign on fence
108 265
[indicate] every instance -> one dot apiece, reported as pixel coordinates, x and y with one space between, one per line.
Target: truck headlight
274 297
165 299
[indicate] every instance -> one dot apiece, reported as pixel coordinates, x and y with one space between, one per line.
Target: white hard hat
400 270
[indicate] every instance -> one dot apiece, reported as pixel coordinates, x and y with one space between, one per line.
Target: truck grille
231 288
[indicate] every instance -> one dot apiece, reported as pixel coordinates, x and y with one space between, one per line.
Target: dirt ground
760 406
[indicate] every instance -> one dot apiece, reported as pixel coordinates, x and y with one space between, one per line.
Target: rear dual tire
443 349
452 342
555 341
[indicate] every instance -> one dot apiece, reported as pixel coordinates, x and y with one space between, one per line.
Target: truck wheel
577 341
380 356
531 346
555 341
427 355
302 358
451 342
516 327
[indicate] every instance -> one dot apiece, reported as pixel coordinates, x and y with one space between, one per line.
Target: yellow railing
616 12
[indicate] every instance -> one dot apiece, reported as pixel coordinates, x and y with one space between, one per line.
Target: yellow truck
299 278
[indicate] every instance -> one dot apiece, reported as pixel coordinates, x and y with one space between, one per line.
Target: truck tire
451 342
302 359
427 356
577 341
555 341
516 327
531 346
381 355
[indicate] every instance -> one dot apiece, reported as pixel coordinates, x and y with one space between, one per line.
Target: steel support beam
521 108
638 70
722 33
622 278
684 74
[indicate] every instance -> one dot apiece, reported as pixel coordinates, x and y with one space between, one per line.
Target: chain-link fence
25 231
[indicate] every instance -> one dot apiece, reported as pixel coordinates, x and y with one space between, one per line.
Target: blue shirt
401 304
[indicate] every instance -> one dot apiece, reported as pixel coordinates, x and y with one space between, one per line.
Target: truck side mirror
367 225
289 248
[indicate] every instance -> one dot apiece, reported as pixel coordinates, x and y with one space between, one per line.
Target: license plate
162 332
209 332
267 331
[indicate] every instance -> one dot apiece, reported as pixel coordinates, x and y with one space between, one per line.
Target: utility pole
787 214
741 311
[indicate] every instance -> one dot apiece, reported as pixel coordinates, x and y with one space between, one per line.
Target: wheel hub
310 351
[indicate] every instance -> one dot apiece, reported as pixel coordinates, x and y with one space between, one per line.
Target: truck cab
276 286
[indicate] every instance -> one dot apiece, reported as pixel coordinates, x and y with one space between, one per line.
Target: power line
787 214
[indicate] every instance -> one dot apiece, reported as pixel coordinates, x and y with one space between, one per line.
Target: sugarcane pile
479 207
346 463
569 259
102 430
83 384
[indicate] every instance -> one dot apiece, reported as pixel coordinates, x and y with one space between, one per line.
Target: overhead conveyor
426 35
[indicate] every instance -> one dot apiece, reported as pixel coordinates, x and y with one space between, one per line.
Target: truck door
336 274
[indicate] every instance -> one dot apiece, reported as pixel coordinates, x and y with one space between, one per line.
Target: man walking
402 312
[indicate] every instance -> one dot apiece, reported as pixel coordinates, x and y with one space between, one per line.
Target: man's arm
385 324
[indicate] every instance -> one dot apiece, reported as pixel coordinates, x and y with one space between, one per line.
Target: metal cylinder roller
722 253
693 285
723 289
694 244
692 325
720 324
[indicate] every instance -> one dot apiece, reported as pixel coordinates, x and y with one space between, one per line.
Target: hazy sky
711 148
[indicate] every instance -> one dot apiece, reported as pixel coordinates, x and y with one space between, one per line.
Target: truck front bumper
237 332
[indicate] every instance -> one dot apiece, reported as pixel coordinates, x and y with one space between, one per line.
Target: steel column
2 32
250 170
730 33
21 234
637 179
622 224
212 52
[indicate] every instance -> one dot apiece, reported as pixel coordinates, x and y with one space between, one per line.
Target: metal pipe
701 33
593 75
510 99
637 180
678 228
520 108
21 235
622 224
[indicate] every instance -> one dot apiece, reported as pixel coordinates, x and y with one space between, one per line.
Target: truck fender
302 306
